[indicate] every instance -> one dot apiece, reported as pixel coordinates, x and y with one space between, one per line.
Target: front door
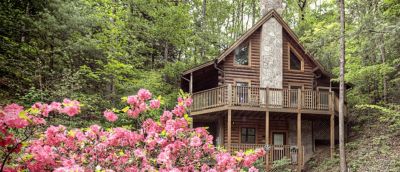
279 141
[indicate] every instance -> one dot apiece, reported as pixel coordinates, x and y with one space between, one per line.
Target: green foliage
282 165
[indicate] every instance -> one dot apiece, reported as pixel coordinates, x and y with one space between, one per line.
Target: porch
275 152
280 119
260 99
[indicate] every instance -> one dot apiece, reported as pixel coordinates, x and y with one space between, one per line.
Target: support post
229 124
221 130
299 139
267 139
332 124
191 83
300 150
332 139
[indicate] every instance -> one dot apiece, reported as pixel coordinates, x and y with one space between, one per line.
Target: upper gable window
242 54
296 63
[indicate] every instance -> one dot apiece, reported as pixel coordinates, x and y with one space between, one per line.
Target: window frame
291 49
248 127
248 55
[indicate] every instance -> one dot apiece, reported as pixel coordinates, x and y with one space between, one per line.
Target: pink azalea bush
165 145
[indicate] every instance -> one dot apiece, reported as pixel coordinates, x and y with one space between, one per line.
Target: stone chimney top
268 5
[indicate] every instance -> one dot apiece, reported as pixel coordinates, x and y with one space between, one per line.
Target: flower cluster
165 145
17 124
138 103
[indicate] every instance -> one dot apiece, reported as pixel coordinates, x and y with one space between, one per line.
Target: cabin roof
248 33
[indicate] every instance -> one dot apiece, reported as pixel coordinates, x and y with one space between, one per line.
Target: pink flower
179 110
155 104
144 94
163 157
13 109
132 100
71 107
253 169
167 115
188 102
71 110
110 116
195 141
133 113
75 168
55 106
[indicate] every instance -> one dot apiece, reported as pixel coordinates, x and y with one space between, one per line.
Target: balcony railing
229 95
275 152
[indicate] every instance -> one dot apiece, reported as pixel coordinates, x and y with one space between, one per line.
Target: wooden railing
262 97
210 98
276 152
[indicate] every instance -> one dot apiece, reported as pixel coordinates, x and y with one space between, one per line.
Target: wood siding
254 121
249 73
306 77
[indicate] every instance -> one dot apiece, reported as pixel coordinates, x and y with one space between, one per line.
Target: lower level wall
306 135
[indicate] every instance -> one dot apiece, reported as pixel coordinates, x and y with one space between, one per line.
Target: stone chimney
267 5
271 48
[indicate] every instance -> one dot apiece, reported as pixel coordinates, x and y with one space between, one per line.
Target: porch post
332 124
191 83
221 130
300 148
191 92
267 139
229 129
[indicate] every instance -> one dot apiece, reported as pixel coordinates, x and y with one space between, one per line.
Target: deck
260 99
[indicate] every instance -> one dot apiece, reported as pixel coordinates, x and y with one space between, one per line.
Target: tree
342 153
167 144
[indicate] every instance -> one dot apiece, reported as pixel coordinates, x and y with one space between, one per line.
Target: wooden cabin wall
205 79
246 73
306 77
252 121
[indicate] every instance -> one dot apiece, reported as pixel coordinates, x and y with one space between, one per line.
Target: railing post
229 94
267 97
299 99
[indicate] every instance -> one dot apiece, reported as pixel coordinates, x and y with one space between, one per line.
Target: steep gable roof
249 32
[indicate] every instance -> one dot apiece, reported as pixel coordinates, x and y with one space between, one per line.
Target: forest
97 51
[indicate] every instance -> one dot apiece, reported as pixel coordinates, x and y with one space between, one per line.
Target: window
295 62
242 92
248 135
242 54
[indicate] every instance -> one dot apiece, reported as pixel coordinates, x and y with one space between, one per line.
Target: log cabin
265 91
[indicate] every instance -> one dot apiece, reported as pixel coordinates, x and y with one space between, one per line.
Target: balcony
261 99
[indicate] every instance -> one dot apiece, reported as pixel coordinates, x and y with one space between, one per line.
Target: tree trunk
342 153
203 23
382 49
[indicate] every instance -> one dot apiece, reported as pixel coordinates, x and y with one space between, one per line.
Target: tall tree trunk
203 21
382 49
253 17
342 153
